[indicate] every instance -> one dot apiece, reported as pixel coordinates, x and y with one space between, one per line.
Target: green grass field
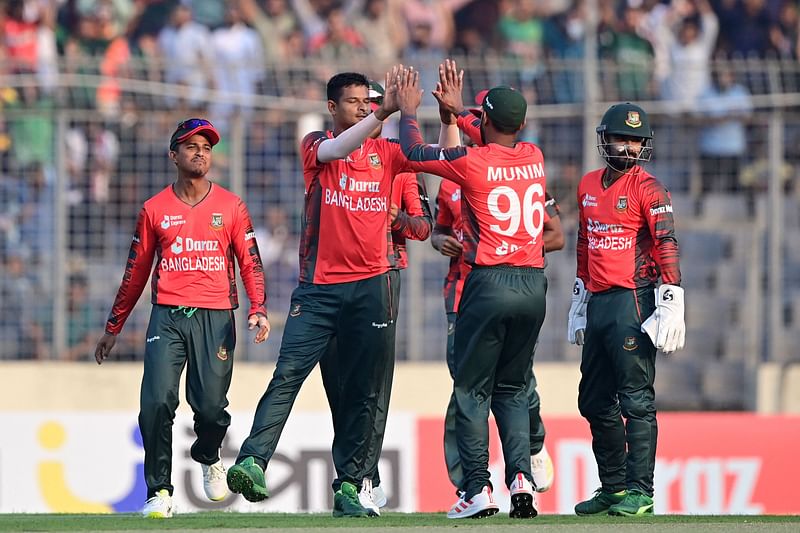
396 522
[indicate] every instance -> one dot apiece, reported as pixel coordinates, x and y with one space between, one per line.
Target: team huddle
364 197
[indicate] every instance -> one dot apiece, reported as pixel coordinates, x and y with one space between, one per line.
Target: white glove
666 326
576 322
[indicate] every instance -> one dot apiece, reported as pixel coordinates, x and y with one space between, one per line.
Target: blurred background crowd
91 89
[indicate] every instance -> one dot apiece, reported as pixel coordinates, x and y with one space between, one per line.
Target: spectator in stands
521 30
722 113
338 42
745 27
81 320
688 36
17 298
425 55
632 56
379 22
564 40
238 64
210 13
783 34
184 46
274 22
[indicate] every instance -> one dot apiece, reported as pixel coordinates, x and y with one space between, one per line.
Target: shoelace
215 472
188 311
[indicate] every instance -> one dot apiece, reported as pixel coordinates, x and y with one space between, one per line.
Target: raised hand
389 104
448 90
409 95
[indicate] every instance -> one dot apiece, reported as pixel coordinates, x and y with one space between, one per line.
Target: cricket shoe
214 481
542 470
346 502
366 497
636 503
479 506
599 503
247 478
523 498
159 506
379 497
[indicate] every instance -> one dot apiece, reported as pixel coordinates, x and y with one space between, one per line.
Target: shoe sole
604 511
522 506
647 510
483 513
240 483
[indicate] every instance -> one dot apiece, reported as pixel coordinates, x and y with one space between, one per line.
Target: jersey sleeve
470 125
137 270
309 148
444 216
582 246
657 206
243 238
449 163
414 219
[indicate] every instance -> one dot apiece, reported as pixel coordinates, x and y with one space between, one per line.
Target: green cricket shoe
636 503
247 478
346 503
600 503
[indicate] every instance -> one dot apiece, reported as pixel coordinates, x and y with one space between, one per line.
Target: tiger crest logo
622 203
216 221
374 161
633 120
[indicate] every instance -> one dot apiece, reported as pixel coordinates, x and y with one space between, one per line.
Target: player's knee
639 406
160 404
211 414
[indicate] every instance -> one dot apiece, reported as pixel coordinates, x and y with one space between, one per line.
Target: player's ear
172 154
522 126
332 107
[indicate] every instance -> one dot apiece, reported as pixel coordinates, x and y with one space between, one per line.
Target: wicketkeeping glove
576 322
666 326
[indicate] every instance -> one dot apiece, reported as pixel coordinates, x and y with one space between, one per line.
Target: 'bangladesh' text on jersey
626 234
346 231
503 190
194 249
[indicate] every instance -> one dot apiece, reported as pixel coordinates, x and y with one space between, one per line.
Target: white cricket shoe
479 506
159 506
366 498
215 481
523 498
542 470
379 497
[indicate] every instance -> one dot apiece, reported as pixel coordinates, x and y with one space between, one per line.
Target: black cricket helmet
624 120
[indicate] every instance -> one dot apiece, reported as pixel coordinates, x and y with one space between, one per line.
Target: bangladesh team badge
622 203
630 344
216 220
374 161
222 353
633 119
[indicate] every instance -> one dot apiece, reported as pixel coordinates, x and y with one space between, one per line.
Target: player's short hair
338 82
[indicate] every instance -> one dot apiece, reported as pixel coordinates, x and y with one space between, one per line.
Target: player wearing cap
626 241
447 237
344 290
195 230
409 218
503 303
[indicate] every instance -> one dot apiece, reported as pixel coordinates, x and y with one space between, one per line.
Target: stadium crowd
82 55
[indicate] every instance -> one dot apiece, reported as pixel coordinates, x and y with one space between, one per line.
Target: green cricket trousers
358 314
451 458
332 379
617 375
202 340
501 311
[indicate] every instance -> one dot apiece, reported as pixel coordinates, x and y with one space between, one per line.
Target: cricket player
447 238
195 229
626 241
503 302
344 291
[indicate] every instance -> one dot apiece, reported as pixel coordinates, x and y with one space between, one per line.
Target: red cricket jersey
503 196
448 216
194 249
626 234
346 230
414 220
